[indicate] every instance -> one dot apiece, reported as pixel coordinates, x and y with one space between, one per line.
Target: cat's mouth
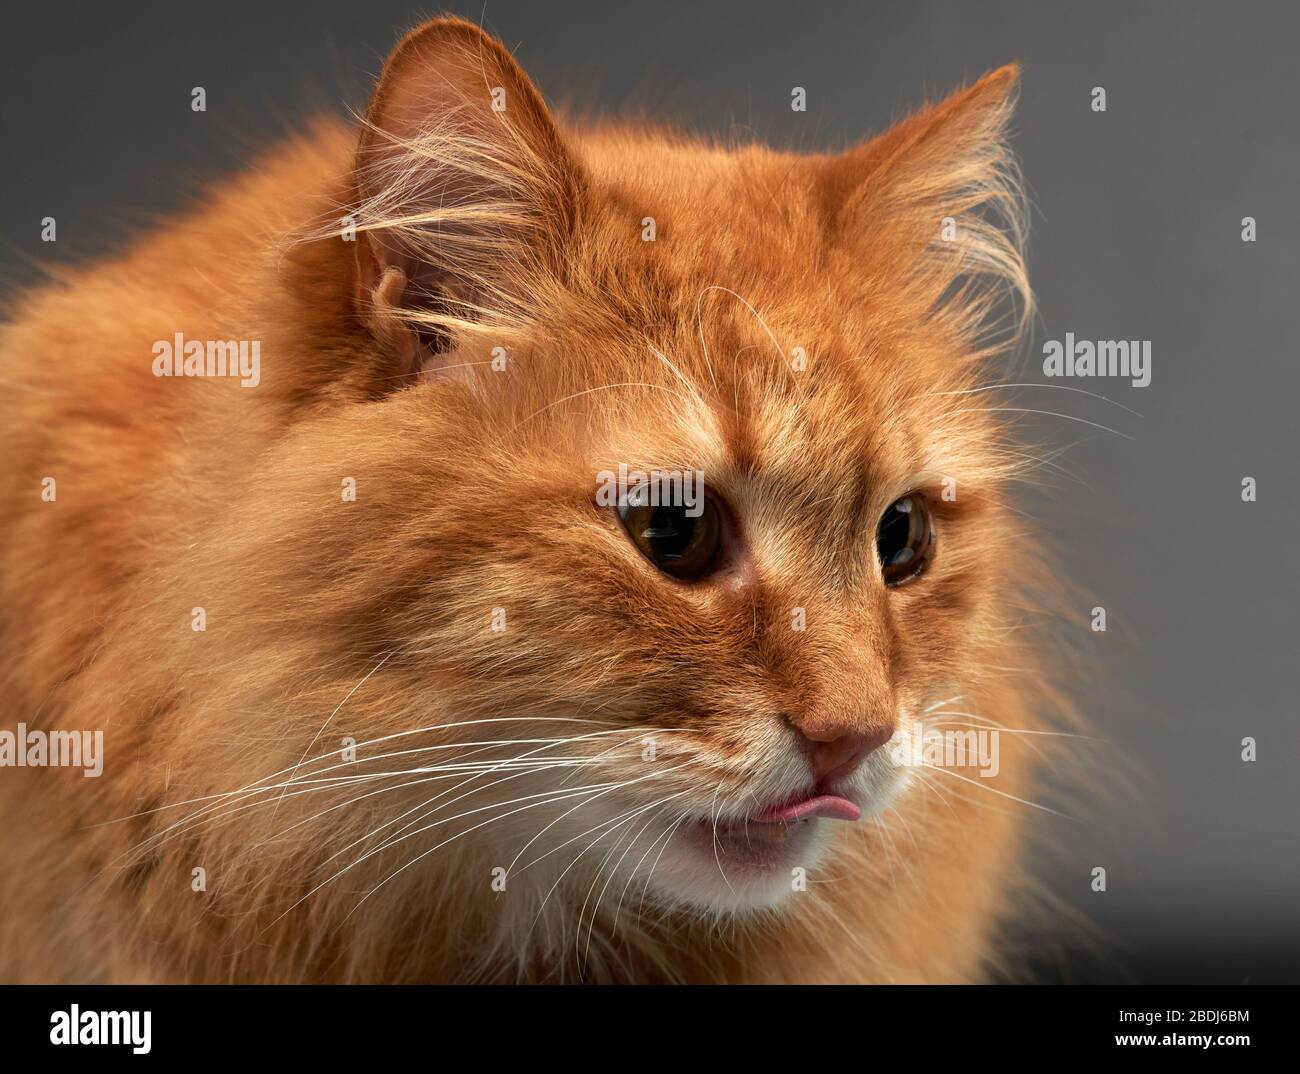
754 856
772 837
809 808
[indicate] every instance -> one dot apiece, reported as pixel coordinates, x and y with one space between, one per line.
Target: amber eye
904 539
681 541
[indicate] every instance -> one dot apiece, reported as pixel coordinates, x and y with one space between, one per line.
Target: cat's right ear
465 192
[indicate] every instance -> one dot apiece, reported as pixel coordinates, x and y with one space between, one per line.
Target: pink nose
836 751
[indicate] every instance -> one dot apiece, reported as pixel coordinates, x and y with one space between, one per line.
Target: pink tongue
823 805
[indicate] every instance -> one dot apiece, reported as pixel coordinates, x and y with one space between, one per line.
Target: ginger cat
307 519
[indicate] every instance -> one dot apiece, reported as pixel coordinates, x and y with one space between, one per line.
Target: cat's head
789 349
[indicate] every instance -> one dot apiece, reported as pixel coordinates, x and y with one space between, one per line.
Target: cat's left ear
938 191
466 191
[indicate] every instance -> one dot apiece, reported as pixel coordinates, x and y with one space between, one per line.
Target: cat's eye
904 539
683 541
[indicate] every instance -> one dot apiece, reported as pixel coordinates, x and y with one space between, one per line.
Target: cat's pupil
894 530
669 531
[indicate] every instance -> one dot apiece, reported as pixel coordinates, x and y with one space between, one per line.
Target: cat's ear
939 194
465 190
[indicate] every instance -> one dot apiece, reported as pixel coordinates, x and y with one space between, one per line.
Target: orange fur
367 619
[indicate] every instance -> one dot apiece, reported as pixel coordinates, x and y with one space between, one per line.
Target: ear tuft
967 126
465 188
941 191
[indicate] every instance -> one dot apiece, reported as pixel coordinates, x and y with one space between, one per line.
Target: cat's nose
835 750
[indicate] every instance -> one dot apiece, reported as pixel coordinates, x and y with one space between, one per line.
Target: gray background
1136 235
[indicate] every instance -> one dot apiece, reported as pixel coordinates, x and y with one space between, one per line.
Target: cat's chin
745 867
732 868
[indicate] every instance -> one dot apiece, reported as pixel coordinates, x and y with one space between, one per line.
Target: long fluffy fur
370 619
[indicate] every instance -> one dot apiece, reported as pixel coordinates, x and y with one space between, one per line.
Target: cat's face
806 588
806 553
